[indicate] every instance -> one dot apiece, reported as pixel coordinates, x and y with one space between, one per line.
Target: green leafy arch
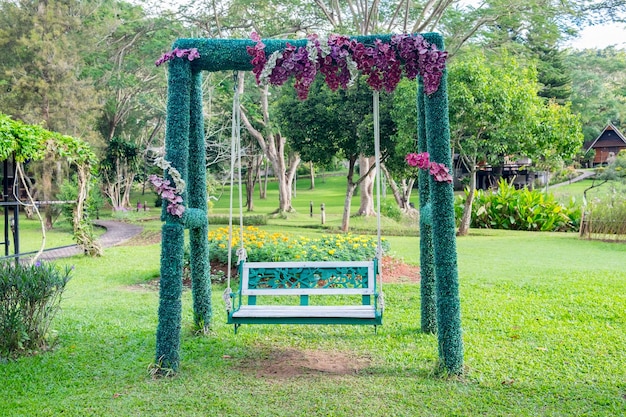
185 151
32 142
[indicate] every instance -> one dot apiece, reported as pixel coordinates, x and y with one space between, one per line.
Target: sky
600 37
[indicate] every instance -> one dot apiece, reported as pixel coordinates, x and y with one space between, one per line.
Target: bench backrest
308 278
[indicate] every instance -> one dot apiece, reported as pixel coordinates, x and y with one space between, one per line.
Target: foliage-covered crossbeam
231 54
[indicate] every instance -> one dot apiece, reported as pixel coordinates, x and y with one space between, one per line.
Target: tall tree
274 145
494 111
42 80
552 74
599 92
41 71
237 19
132 89
331 123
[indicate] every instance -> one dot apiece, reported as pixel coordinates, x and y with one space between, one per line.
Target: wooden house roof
609 137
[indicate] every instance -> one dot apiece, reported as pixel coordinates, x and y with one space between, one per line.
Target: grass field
544 328
576 190
543 318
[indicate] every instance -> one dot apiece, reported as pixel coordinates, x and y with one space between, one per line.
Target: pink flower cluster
436 169
190 54
167 192
257 52
341 58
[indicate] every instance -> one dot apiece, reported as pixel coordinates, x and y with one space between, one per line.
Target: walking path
582 176
116 234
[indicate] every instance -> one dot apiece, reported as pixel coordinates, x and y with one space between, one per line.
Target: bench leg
236 327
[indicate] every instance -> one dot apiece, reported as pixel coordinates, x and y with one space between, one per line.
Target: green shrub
563 175
391 210
262 246
29 299
523 209
252 220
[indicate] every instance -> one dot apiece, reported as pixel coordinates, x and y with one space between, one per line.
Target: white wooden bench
267 290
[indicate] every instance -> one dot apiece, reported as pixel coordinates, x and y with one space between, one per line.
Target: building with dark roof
607 144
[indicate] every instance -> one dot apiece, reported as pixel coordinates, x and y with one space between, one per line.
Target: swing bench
309 292
334 286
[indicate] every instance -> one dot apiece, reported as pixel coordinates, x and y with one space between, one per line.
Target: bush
391 210
29 299
253 220
524 209
262 246
564 175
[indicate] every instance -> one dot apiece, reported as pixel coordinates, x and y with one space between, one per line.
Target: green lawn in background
575 190
31 235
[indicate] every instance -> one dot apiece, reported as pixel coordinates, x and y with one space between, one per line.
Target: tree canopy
495 112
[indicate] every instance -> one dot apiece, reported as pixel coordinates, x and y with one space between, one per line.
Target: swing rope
379 246
235 157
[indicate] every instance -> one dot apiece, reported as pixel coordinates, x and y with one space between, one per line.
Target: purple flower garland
173 195
341 58
190 54
169 194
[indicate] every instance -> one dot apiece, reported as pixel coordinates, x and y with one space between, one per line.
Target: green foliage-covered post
427 262
198 233
173 232
444 230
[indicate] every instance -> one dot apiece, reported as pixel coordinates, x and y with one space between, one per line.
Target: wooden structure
607 144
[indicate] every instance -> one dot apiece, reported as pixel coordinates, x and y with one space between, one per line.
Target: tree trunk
128 179
400 194
273 146
48 170
252 176
367 186
312 173
467 208
249 196
263 184
345 220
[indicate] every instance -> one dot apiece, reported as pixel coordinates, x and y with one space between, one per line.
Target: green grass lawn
576 190
544 319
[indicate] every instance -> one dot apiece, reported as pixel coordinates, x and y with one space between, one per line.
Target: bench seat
305 280
357 312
